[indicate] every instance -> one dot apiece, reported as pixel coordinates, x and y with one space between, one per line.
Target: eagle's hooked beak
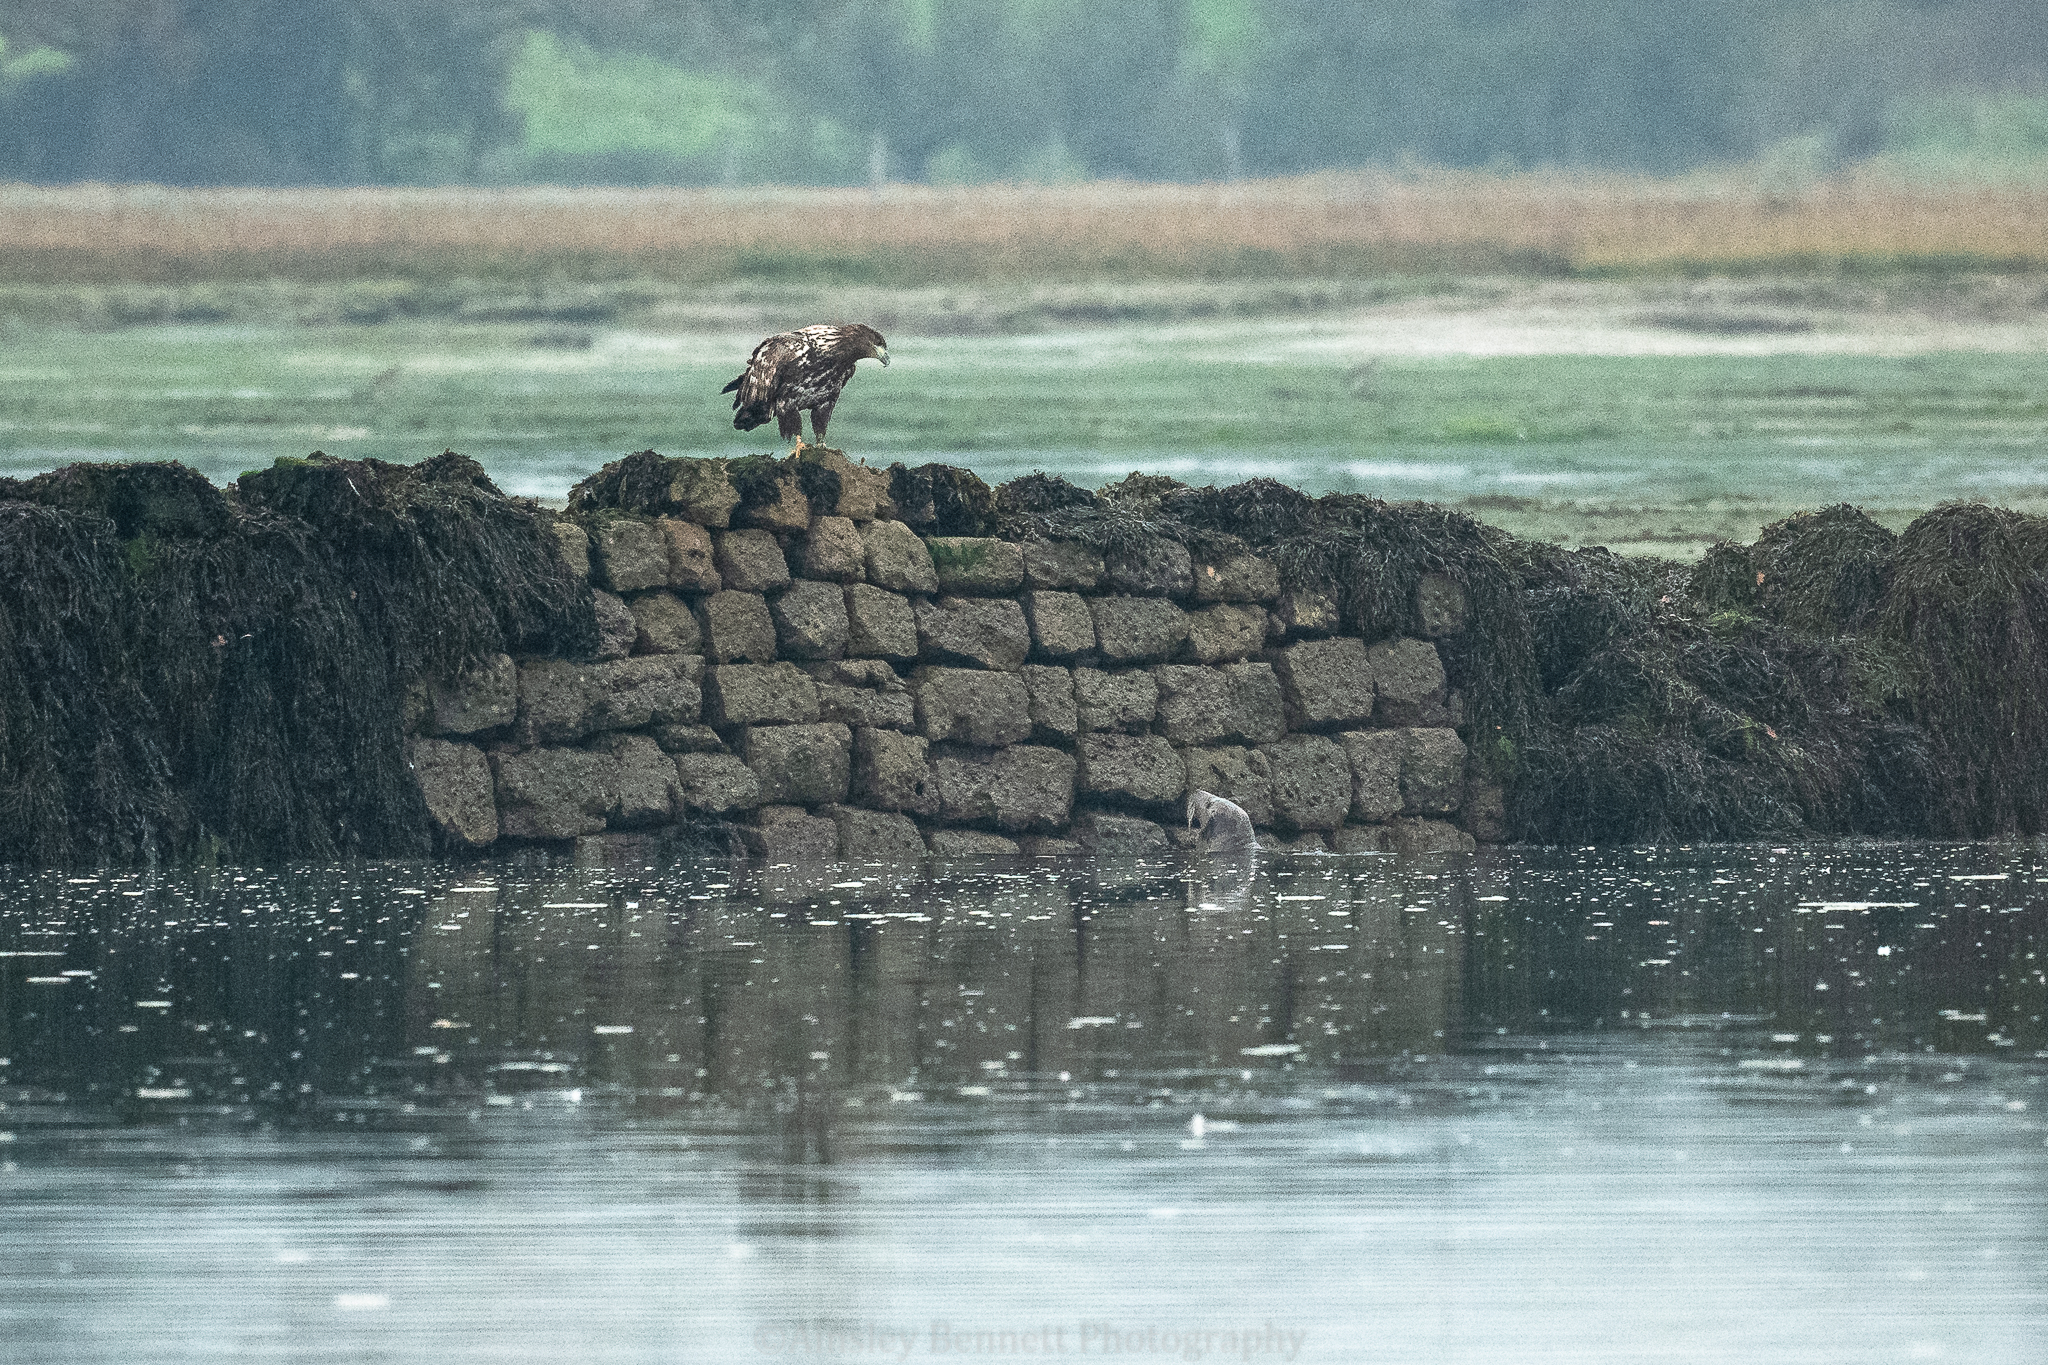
883 356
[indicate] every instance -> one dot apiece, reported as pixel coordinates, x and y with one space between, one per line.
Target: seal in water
1221 823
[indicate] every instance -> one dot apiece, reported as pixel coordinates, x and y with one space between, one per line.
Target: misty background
846 92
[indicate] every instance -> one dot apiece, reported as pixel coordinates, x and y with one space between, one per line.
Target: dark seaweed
193 674
942 500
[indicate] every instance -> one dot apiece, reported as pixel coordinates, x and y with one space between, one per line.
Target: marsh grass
1328 225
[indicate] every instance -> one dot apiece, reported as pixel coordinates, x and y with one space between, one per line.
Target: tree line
850 91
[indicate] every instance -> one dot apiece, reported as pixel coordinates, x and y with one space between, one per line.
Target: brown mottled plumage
792 371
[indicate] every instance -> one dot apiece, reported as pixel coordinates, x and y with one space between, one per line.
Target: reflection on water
1709 1104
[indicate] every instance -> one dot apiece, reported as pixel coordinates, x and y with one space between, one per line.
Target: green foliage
341 91
588 115
28 64
1995 136
950 556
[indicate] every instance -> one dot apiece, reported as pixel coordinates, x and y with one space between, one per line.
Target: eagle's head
871 340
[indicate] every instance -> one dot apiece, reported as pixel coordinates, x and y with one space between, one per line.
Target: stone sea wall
807 656
790 657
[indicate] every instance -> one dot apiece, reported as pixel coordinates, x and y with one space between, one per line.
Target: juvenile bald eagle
792 371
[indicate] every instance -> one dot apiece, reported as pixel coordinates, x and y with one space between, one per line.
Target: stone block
785 508
550 793
1237 578
800 764
810 620
688 739
616 628
1119 836
1142 769
644 785
702 491
1419 834
976 566
1241 774
1484 812
970 843
750 561
790 834
1159 568
1362 839
874 674
972 706
1025 787
872 836
897 560
892 771
1408 677
861 489
759 694
573 543
1195 705
1045 846
692 566
987 632
618 849
1125 700
1053 714
1221 633
1131 630
664 624
717 783
880 624
1311 782
1306 614
1061 564
631 553
1061 625
1375 758
859 706
737 626
833 551
1440 605
1309 842
1326 684
484 698
562 702
455 779
1432 772
1236 703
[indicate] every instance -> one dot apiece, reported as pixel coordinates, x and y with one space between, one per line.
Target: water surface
1698 1104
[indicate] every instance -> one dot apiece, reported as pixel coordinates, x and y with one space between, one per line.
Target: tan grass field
1330 224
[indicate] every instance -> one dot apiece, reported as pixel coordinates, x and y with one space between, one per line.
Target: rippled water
1714 1104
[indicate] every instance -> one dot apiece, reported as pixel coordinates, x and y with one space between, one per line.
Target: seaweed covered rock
196 673
942 500
1965 616
699 491
167 499
1820 573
